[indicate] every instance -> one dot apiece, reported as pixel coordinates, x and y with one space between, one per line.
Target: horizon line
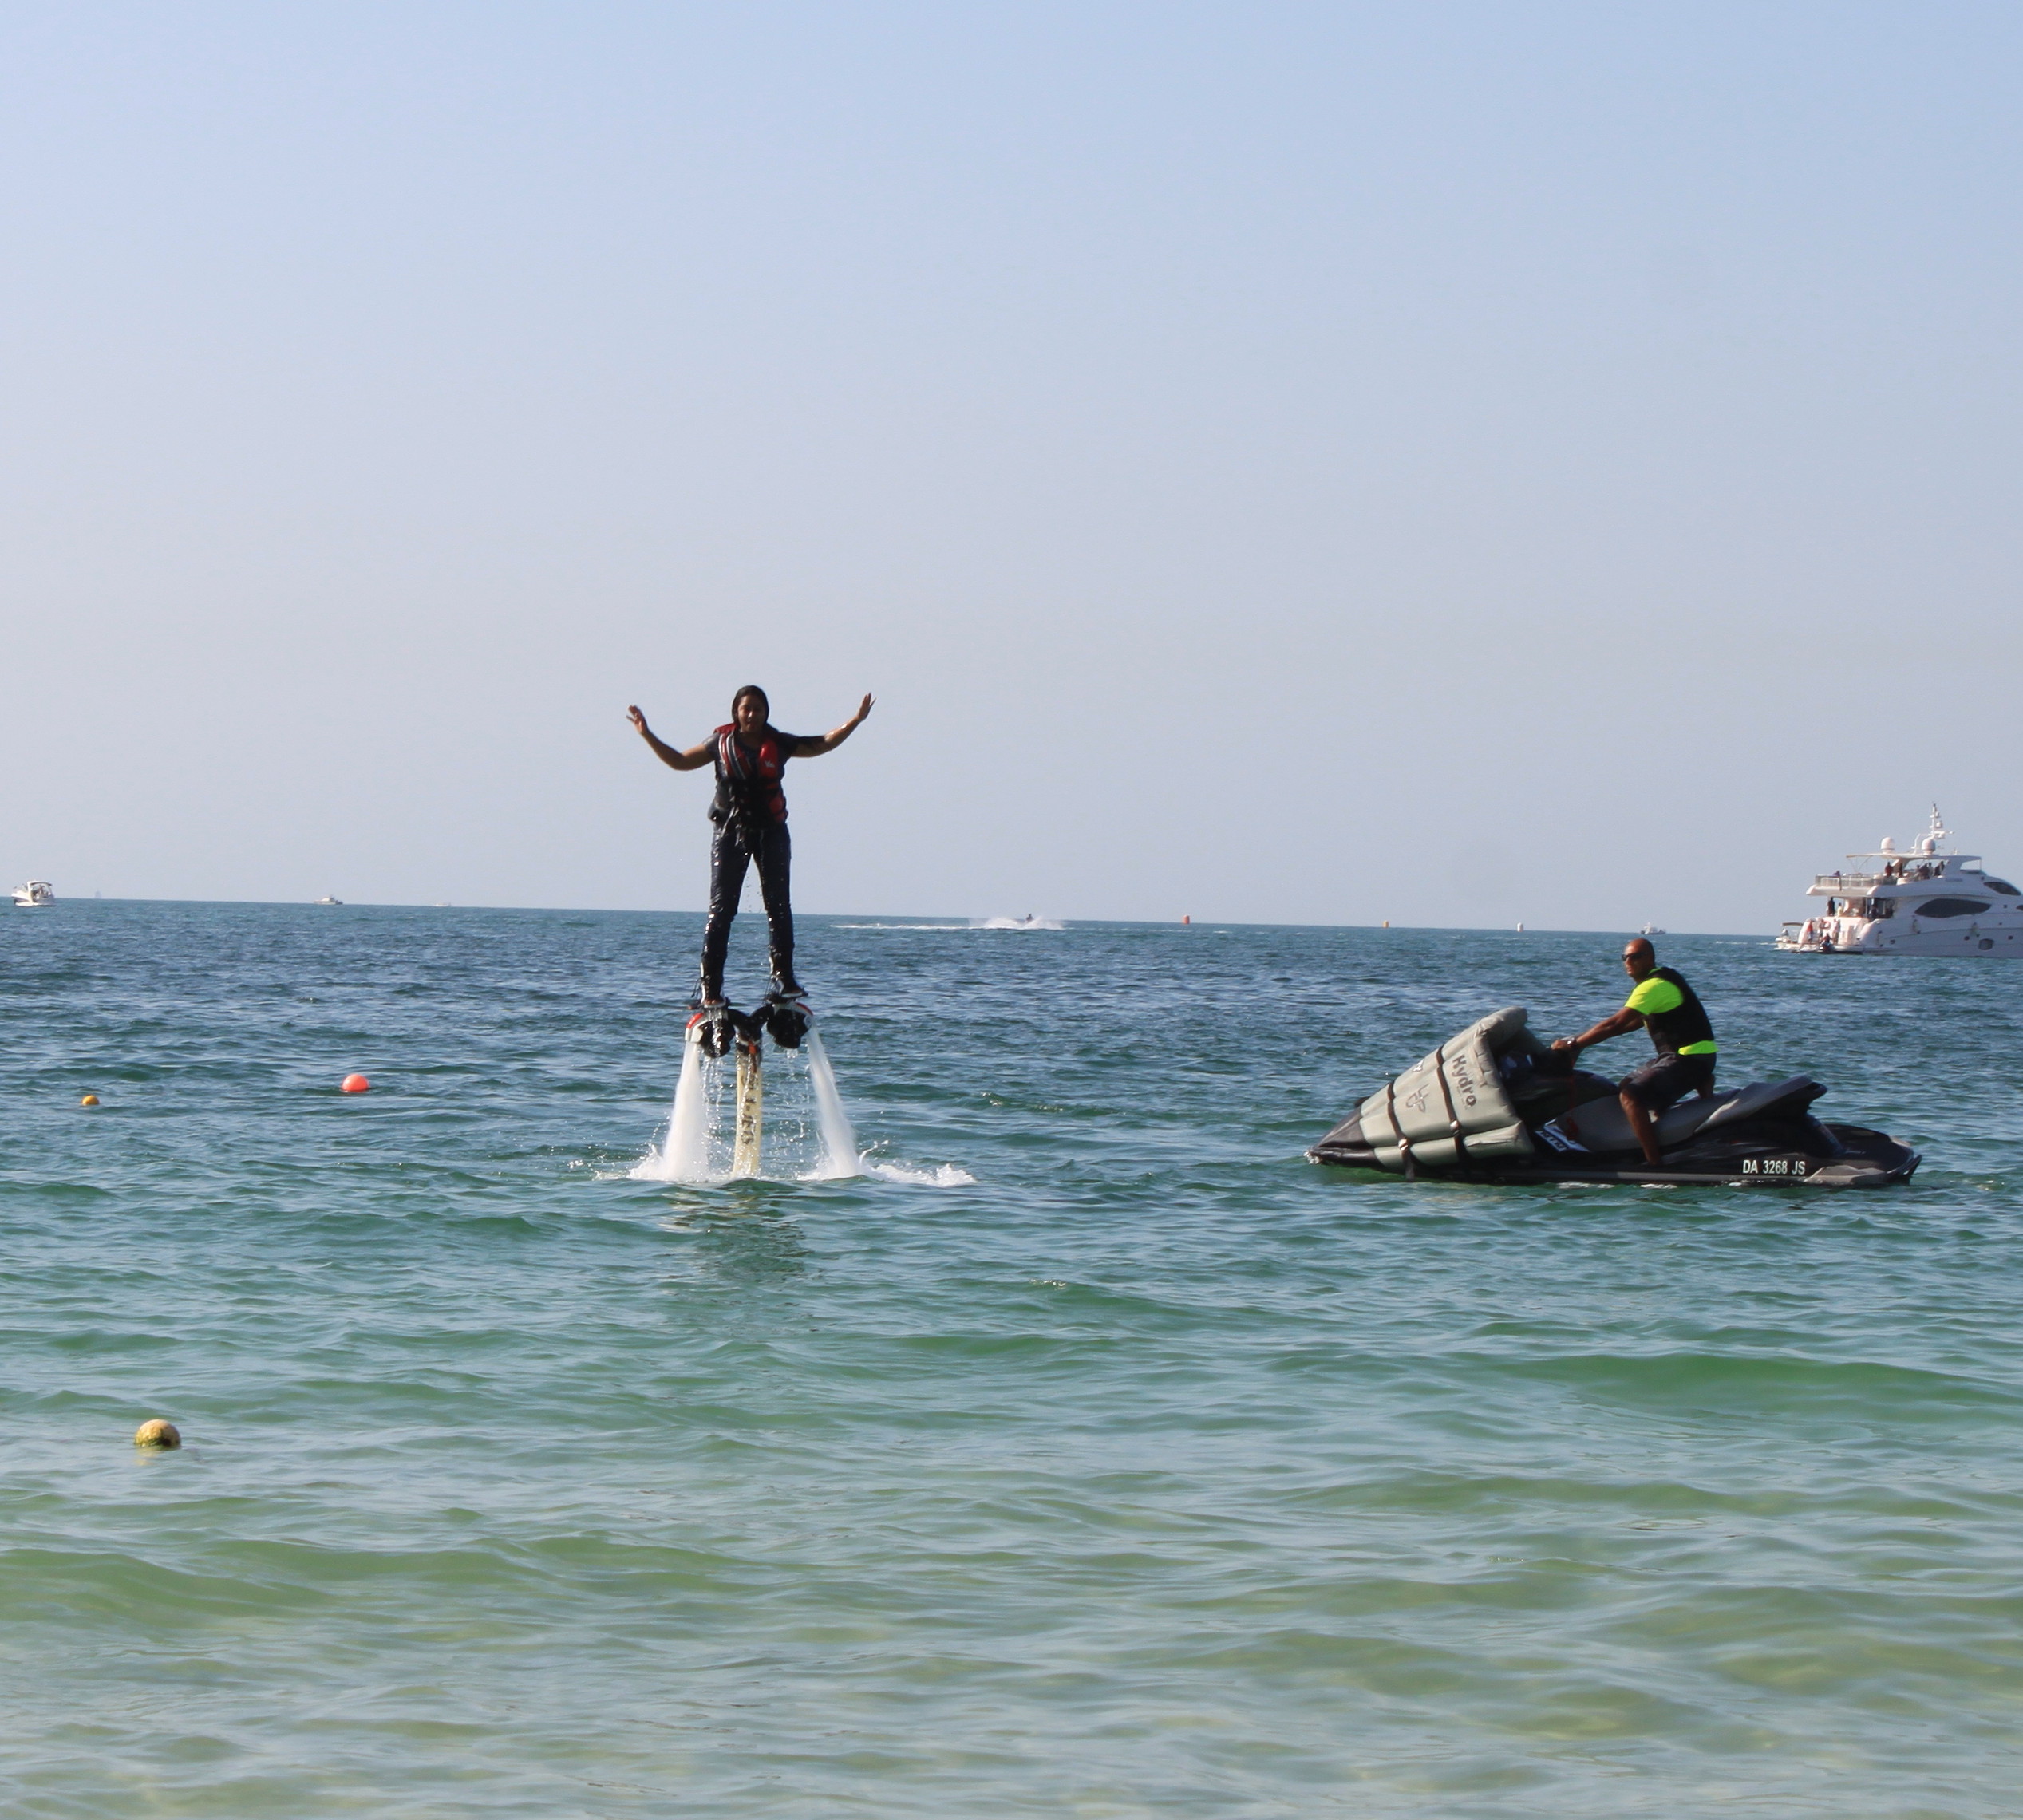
967 919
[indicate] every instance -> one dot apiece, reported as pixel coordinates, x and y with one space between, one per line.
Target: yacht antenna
1939 830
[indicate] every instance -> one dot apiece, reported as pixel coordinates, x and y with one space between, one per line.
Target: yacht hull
2001 941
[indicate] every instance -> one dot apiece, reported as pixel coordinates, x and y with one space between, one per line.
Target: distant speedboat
1650 929
1929 901
37 894
329 900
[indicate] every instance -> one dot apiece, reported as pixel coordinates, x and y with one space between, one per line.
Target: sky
1459 465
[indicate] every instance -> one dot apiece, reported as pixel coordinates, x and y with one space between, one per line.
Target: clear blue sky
1457 463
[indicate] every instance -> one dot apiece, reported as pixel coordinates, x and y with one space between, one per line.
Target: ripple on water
1092 1454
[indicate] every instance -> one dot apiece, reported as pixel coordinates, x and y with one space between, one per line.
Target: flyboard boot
712 1022
709 1028
784 1012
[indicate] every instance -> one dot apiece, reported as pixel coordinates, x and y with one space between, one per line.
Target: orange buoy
88 1099
356 1084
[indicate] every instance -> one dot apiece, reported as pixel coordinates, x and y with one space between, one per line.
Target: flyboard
717 1031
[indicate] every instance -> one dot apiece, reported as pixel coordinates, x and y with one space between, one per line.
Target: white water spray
685 1155
697 1146
840 1155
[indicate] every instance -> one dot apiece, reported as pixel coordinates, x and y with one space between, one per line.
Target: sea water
1089 1454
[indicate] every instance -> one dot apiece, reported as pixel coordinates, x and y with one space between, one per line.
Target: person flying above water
750 811
1666 1006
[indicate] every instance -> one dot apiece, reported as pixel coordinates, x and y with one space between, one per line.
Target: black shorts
1665 1080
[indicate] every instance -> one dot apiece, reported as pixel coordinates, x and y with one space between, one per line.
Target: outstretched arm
693 760
828 742
1613 1026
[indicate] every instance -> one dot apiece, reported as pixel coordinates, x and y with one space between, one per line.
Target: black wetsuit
750 811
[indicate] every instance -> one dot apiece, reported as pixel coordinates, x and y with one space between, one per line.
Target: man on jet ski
1666 1006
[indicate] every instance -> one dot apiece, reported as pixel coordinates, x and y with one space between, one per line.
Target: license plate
1785 1166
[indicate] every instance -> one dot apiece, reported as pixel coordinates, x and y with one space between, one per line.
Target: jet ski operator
750 811
1666 1006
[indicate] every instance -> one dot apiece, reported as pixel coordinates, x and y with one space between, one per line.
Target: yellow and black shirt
1673 1013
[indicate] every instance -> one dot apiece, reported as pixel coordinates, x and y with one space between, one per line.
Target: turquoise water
1152 1471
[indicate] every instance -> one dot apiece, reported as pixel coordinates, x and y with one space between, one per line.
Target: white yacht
1929 901
35 894
327 900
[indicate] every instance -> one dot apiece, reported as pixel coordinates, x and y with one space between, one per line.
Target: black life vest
747 779
1686 1022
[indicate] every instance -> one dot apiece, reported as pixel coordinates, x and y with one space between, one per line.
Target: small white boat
36 894
1650 929
330 900
1929 901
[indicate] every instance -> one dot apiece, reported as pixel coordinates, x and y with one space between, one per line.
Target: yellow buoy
156 1433
88 1099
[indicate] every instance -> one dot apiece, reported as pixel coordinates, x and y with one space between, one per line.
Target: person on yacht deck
1681 1031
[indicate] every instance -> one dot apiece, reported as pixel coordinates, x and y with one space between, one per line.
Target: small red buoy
356 1084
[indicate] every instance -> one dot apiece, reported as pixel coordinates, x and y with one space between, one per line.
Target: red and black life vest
748 778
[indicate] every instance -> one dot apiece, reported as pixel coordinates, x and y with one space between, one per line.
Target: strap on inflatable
1397 1131
1453 1119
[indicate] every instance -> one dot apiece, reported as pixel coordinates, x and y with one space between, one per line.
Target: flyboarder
750 811
1680 1029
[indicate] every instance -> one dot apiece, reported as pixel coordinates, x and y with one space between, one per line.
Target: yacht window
2003 886
1953 907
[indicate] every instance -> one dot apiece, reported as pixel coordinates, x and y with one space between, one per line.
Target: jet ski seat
1601 1126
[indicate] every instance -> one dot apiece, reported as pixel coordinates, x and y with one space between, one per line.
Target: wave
654 1167
946 1175
1028 921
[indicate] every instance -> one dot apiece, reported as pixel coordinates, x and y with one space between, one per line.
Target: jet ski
1495 1103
